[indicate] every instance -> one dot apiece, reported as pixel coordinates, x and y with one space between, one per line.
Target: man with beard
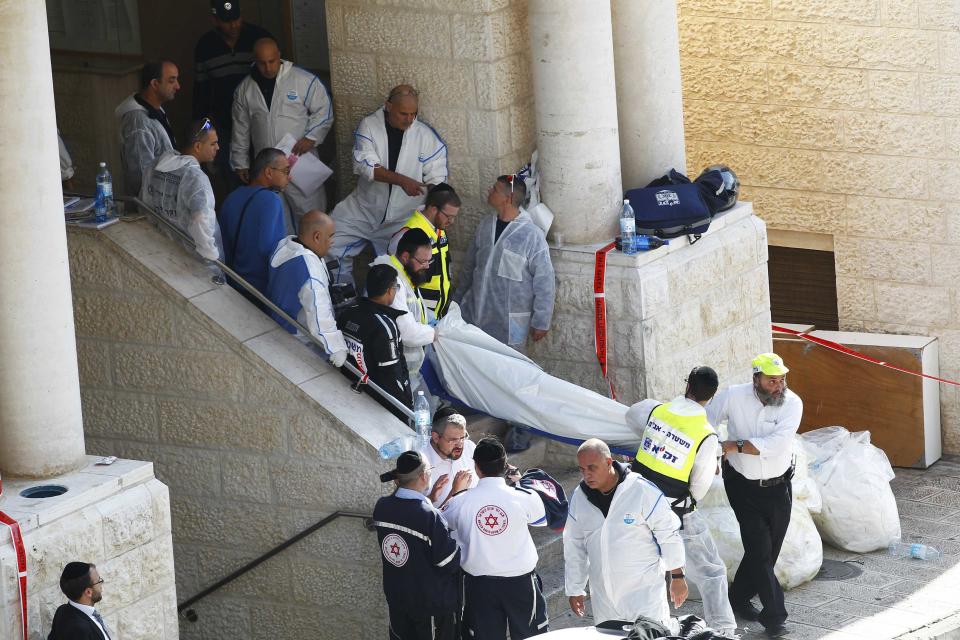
78 619
762 418
412 262
450 455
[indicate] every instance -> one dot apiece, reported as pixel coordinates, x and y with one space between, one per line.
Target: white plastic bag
859 511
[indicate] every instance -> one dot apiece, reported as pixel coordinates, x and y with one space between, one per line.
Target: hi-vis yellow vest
436 291
668 448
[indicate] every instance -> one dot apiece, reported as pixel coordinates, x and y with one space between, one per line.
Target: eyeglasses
447 215
205 125
395 286
92 585
421 262
285 170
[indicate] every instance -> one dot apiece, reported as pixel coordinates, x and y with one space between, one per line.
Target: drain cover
836 570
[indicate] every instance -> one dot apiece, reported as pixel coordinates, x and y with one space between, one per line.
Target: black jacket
374 326
69 623
219 69
421 560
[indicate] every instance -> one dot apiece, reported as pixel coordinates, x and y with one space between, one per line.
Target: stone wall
840 119
470 61
255 435
667 311
117 517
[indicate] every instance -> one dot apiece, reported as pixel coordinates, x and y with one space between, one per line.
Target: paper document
308 172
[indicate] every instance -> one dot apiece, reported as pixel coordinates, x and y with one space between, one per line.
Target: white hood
288 249
172 161
128 105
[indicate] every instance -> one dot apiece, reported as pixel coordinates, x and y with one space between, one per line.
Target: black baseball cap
225 10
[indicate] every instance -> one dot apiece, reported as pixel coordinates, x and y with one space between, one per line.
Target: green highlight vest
421 315
667 451
436 291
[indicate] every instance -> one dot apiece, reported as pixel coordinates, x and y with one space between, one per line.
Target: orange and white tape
600 312
17 539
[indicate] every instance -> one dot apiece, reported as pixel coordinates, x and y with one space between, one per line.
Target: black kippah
440 186
75 570
489 450
408 462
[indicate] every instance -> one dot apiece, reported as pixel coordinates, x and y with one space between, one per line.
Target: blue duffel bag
672 206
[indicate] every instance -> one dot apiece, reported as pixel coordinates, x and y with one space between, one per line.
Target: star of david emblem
395 549
491 521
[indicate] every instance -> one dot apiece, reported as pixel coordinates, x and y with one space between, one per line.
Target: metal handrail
191 615
266 301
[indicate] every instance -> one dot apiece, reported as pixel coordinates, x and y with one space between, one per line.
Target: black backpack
673 206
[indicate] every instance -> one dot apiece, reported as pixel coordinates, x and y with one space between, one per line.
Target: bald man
396 157
299 283
277 99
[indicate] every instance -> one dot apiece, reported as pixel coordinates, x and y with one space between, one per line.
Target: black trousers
763 514
491 604
405 627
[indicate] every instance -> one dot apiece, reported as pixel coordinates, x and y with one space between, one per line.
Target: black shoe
776 630
746 611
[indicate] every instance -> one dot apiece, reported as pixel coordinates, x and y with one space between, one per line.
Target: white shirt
705 462
490 523
89 611
448 467
770 429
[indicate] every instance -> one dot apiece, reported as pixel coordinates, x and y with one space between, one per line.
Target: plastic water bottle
394 448
628 229
646 243
103 206
423 421
917 551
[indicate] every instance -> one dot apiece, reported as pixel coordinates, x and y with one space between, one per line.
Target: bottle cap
103 164
626 201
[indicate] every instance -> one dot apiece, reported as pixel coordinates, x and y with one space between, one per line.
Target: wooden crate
901 412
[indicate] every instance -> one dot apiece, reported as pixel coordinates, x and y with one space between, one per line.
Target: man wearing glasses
252 221
412 261
439 212
373 339
78 619
451 455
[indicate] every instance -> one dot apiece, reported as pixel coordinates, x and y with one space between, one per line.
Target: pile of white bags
802 551
859 511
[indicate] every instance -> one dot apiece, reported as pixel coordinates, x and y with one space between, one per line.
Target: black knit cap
489 449
408 462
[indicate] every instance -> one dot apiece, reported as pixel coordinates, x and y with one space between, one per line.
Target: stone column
41 428
646 47
576 106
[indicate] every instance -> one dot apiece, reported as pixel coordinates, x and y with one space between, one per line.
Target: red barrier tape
600 312
856 354
21 565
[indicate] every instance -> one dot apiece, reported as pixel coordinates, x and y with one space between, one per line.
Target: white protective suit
312 293
300 106
623 556
508 287
704 567
374 211
66 162
415 333
142 141
178 189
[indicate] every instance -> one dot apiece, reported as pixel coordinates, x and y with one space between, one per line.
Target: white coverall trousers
705 569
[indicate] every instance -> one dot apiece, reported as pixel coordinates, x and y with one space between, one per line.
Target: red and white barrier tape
17 539
835 346
600 312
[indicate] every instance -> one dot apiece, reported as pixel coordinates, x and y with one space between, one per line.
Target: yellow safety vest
422 312
436 291
668 448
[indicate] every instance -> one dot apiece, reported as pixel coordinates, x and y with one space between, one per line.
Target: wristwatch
739 446
676 575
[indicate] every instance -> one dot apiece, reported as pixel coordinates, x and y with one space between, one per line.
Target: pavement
891 598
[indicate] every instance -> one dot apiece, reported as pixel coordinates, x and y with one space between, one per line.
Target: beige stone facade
470 61
840 118
256 436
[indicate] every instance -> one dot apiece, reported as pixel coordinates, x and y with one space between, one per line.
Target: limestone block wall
117 517
255 435
668 311
841 118
470 61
